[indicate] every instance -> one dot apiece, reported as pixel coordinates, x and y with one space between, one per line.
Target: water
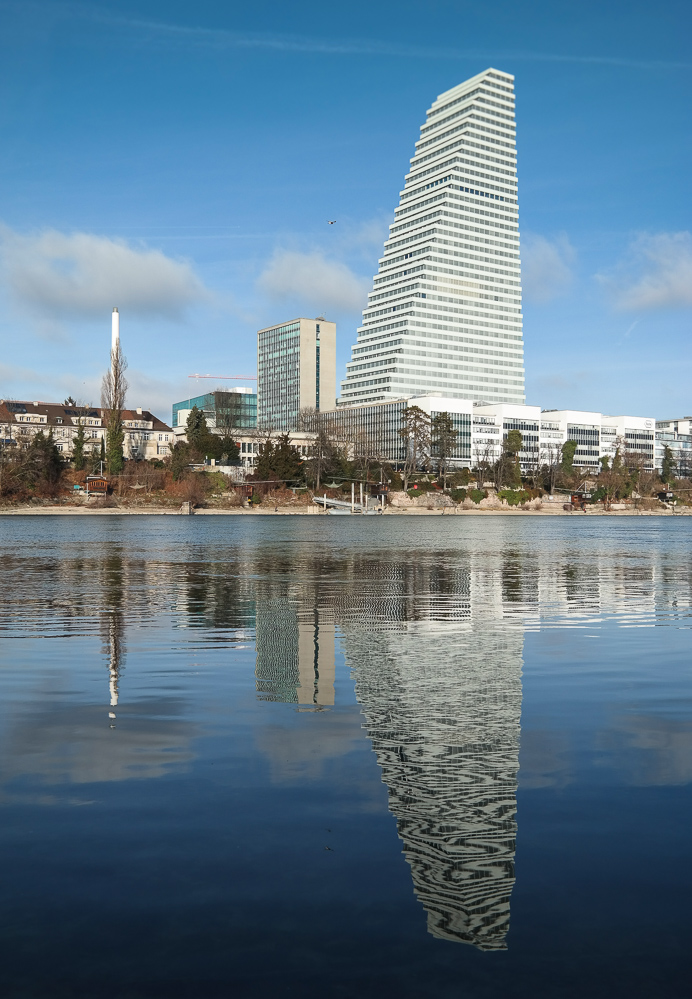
337 757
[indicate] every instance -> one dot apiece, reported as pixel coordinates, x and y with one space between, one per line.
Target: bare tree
113 392
484 460
551 459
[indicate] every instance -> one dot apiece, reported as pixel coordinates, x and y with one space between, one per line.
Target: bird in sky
330 223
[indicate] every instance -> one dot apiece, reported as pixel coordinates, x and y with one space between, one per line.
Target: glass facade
278 376
445 316
223 410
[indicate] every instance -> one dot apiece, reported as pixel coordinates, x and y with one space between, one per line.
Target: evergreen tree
279 460
508 470
180 459
78 455
668 466
229 448
202 441
43 465
445 440
568 450
415 433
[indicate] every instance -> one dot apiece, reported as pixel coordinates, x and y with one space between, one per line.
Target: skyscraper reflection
295 644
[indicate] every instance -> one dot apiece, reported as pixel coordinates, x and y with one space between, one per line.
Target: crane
228 378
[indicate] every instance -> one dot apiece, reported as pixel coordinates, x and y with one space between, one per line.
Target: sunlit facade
444 315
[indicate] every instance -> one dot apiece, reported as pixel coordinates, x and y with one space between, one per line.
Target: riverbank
546 511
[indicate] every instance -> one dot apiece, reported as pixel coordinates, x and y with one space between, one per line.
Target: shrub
477 494
459 495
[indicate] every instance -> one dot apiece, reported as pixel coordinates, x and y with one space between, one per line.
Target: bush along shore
35 477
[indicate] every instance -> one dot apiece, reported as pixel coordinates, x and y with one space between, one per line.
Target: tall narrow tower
115 329
444 316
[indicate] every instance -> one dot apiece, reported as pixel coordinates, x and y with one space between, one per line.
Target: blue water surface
316 757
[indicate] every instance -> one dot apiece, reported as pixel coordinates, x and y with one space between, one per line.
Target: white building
296 370
676 435
444 316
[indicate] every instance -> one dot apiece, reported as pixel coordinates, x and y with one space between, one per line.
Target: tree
483 460
445 440
551 457
228 449
43 465
279 460
507 469
568 450
69 401
113 391
668 466
78 453
180 459
203 443
415 433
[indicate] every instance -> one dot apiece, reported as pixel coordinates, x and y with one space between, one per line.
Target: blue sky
181 160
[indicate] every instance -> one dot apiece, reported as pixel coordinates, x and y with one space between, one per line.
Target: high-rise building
444 315
296 370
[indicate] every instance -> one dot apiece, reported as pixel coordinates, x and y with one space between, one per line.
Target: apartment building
145 435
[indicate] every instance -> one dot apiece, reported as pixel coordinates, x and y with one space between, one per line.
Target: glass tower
444 316
296 371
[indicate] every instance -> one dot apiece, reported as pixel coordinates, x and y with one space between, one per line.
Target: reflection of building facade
442 702
295 652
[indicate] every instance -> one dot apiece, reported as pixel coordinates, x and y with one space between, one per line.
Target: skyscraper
296 369
444 316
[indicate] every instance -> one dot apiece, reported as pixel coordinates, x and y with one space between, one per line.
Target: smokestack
115 329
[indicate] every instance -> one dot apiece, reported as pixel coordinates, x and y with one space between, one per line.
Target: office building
677 436
444 316
376 427
296 370
224 409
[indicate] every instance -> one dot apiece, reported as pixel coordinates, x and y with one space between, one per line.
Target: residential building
224 409
444 315
145 435
296 370
676 435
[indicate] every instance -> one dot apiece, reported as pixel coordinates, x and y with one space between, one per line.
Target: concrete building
224 409
296 370
677 435
145 435
444 315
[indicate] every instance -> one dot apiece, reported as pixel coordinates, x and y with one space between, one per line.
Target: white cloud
319 283
57 276
546 267
655 274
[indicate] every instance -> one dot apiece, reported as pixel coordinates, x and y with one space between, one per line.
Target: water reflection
295 652
434 638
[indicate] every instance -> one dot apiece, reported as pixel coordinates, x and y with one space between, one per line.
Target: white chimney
115 329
